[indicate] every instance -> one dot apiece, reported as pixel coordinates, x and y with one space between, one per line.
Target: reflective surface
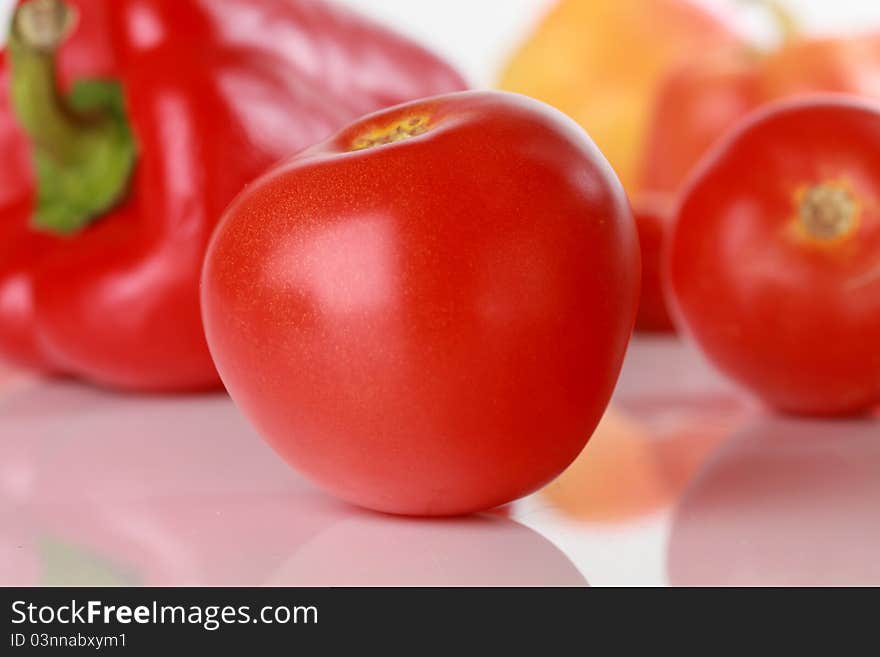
685 482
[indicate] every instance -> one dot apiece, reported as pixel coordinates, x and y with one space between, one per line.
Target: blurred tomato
601 62
702 99
775 256
653 216
695 105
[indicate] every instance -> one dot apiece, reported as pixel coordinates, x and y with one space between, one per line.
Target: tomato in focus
427 314
775 256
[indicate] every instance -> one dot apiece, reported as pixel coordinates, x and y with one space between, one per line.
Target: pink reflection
375 550
641 457
322 58
267 119
145 29
142 490
19 559
126 490
347 268
786 502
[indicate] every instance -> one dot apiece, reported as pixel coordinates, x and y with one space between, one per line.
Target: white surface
478 35
99 488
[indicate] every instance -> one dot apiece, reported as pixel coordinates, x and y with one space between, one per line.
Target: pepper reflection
99 488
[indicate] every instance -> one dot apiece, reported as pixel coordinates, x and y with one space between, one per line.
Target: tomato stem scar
827 211
404 128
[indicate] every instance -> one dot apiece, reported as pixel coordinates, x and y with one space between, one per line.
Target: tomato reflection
369 549
641 457
105 489
786 502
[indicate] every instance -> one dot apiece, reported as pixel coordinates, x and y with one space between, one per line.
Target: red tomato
775 256
652 219
427 313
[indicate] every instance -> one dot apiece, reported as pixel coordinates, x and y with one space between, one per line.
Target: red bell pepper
122 145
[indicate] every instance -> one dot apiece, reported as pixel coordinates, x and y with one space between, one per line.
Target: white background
477 35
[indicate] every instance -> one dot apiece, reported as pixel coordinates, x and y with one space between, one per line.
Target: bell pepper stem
38 29
83 149
786 23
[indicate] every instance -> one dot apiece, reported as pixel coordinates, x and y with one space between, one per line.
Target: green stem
83 150
787 25
38 29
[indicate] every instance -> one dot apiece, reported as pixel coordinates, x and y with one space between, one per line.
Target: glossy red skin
653 217
216 92
704 99
796 321
434 326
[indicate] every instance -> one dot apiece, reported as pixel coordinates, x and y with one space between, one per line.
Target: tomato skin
790 315
435 325
652 215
